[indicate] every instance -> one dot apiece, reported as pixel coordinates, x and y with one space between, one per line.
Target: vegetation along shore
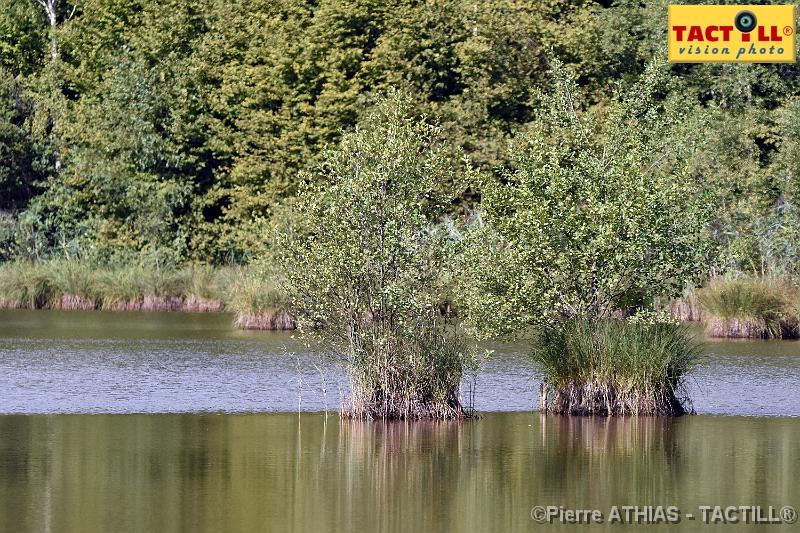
251 295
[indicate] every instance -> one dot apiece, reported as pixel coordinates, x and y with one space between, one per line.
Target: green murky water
286 472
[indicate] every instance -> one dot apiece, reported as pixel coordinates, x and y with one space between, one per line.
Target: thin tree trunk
51 11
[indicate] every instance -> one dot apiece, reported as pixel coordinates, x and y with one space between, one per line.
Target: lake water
117 422
93 362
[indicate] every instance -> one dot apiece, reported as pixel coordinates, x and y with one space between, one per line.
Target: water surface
222 450
94 362
285 472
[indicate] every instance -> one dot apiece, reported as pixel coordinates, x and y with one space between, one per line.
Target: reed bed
413 373
205 290
258 303
750 307
71 286
615 367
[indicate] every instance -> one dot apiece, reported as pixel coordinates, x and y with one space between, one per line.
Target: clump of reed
120 288
413 372
140 288
23 285
750 307
615 367
205 291
258 299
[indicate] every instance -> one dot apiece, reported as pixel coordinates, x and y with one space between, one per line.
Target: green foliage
8 232
174 130
597 213
23 160
776 239
22 37
214 108
364 267
615 367
775 232
122 190
251 94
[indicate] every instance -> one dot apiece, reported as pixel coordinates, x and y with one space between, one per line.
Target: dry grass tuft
746 307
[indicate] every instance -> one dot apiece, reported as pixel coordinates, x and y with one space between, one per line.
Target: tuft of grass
205 282
74 285
412 371
24 285
142 288
162 283
615 367
257 298
749 307
205 289
249 291
118 287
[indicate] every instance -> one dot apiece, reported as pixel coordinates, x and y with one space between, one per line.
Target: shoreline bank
253 296
266 321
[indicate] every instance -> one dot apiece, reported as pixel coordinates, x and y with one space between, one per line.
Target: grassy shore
255 298
748 307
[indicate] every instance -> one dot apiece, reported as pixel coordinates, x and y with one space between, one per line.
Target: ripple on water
74 362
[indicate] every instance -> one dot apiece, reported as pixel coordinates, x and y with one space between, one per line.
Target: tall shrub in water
365 267
597 215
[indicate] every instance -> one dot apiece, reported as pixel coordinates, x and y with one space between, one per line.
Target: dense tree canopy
175 129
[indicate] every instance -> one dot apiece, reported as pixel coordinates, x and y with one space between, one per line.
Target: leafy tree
732 167
22 37
128 173
252 89
123 189
278 81
475 65
597 214
365 270
246 95
775 232
22 161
